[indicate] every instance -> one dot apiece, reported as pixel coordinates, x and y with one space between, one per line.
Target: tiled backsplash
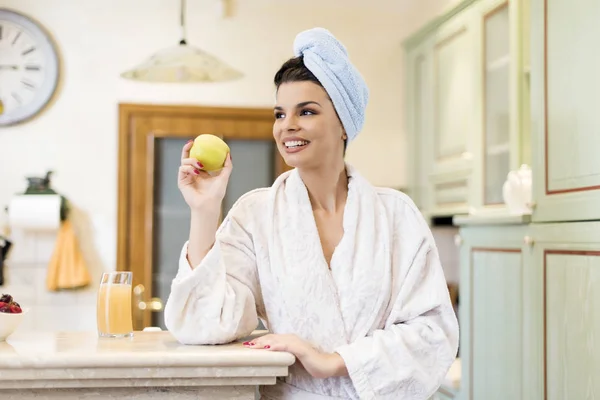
25 279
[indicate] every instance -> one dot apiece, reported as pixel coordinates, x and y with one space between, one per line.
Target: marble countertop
145 349
150 365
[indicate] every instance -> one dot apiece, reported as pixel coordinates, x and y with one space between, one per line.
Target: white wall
98 39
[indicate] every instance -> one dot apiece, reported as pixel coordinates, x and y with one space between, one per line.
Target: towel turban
328 60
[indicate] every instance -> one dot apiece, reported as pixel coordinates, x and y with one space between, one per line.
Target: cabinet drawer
450 192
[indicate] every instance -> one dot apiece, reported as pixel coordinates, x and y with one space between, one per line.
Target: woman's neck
327 189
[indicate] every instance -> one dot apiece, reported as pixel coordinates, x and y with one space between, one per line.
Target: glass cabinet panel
497 103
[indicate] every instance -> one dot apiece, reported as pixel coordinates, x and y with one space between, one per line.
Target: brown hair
294 70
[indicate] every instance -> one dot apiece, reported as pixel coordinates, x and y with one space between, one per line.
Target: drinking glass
114 305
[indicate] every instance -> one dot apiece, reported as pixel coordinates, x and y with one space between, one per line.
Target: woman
346 276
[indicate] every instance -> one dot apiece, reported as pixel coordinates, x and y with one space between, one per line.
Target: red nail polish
246 343
200 165
196 171
267 347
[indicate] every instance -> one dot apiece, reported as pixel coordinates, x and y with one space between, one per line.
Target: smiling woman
292 71
346 276
307 132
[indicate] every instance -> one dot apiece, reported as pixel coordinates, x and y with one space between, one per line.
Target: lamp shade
182 64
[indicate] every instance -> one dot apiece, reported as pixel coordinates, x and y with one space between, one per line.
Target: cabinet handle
458 240
528 240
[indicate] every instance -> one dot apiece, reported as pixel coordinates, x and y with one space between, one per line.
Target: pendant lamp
182 64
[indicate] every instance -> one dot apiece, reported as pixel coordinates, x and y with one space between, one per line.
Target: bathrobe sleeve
214 303
409 357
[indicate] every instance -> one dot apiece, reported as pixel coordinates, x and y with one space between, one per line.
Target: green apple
210 151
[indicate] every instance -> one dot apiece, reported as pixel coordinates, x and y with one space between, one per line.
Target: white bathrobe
383 306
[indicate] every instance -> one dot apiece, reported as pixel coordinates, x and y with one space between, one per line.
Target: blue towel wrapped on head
328 60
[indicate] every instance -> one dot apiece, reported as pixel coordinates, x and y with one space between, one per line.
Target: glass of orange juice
114 305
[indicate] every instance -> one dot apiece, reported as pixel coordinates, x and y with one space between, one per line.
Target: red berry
15 309
2 304
5 309
6 298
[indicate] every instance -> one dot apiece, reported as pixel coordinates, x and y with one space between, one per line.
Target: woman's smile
295 144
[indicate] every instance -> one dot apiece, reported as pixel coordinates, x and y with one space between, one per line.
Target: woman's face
307 129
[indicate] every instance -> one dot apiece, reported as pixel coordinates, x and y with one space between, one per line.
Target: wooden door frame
139 126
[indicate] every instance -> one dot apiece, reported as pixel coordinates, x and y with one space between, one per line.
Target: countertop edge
64 350
275 359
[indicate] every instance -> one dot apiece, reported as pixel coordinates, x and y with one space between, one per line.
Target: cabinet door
491 311
454 124
500 82
563 334
565 88
453 92
419 123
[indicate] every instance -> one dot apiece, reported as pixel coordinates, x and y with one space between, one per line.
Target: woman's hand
198 187
318 364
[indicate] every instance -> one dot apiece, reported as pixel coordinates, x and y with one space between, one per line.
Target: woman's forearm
203 227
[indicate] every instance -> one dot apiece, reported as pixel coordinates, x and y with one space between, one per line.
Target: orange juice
114 309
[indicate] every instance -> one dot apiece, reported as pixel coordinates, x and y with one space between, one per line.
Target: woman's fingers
259 344
267 342
193 162
192 172
227 167
185 152
186 170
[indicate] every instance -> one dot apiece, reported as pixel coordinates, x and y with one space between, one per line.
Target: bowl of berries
11 315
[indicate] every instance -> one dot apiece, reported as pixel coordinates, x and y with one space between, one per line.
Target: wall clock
29 67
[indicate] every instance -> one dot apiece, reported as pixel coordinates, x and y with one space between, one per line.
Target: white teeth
295 143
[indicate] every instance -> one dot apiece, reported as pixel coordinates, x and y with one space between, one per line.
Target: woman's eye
279 115
307 112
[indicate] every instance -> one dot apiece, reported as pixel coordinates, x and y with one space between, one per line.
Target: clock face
28 68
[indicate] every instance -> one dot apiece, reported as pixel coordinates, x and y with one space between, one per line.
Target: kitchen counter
150 365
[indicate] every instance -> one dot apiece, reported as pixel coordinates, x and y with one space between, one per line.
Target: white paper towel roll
35 212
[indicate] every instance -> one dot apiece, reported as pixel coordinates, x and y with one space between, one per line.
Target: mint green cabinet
501 77
438 61
564 303
419 84
466 113
565 90
529 311
442 395
493 263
